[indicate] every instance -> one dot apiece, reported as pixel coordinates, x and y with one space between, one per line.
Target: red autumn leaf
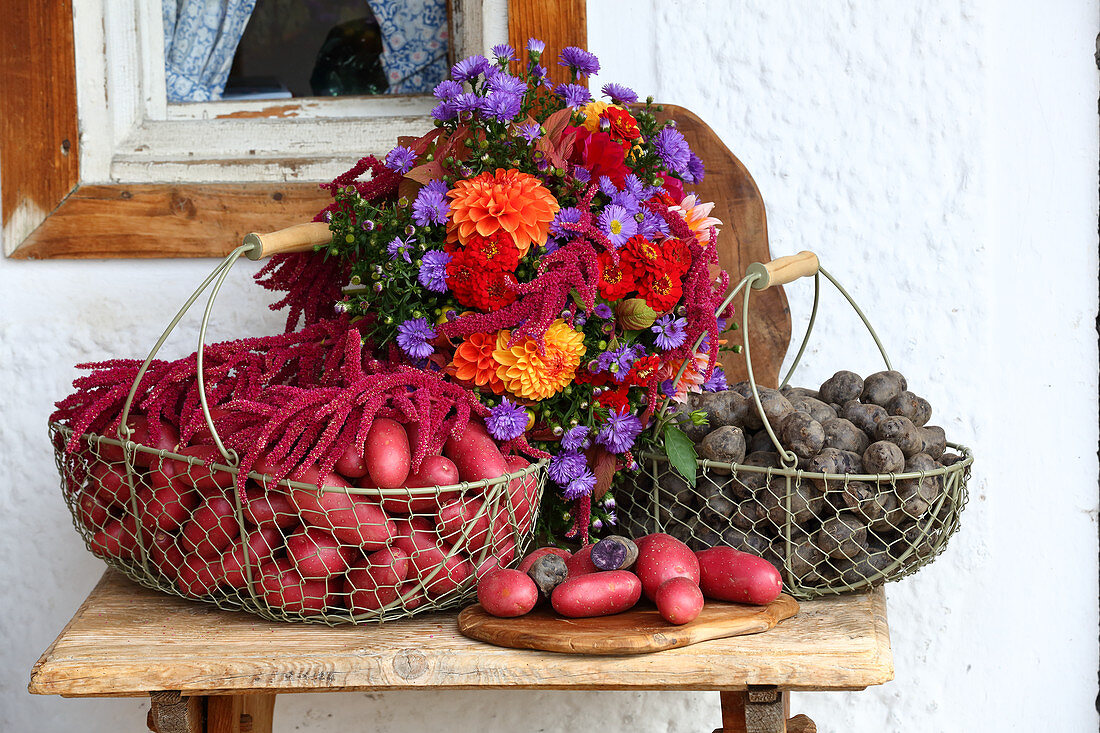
603 465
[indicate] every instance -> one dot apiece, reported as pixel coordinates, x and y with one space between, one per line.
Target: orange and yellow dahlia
473 362
533 376
697 215
507 200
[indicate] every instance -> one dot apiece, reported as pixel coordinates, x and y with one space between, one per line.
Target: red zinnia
616 399
661 292
623 124
643 255
676 255
615 282
496 251
476 286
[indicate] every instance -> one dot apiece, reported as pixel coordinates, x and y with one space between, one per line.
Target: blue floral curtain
414 43
200 38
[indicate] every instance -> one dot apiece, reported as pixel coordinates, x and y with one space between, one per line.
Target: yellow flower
528 374
592 112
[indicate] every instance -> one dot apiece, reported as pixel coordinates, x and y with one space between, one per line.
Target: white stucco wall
941 157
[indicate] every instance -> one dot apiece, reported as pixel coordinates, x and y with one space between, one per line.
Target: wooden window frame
144 195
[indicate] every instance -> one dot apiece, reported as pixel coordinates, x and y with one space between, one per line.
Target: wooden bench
214 671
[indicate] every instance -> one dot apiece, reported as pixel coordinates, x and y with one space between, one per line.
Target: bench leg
761 710
171 713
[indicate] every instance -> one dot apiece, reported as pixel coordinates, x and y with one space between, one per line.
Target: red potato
109 540
597 594
387 453
522 496
354 520
165 554
413 431
167 504
679 600
198 576
317 554
352 464
213 525
434 471
580 563
529 560
507 593
111 482
413 597
140 432
661 557
92 509
201 476
374 582
428 557
260 546
475 454
282 588
727 574
458 517
269 508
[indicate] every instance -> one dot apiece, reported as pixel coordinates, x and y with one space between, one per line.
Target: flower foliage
536 249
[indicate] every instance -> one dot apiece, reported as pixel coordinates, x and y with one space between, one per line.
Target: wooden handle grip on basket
783 270
298 238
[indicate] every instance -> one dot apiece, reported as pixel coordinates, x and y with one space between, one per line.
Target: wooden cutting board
637 631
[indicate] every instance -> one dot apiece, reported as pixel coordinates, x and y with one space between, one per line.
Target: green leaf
680 452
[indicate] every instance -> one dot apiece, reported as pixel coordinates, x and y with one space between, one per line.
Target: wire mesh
825 532
290 551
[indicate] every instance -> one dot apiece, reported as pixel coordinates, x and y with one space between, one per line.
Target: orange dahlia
697 215
528 374
473 362
508 200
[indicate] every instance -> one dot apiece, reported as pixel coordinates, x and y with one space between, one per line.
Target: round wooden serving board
636 631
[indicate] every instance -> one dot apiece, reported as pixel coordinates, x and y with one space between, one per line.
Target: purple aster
431 207
627 200
696 169
566 466
507 420
502 106
445 111
499 81
580 61
433 270
717 381
470 68
580 486
668 389
603 310
575 438
672 149
468 102
607 186
671 332
612 518
413 336
574 94
620 430
653 225
617 224
534 45
447 90
618 361
568 215
401 159
400 248
634 186
529 131
582 174
619 94
609 502
538 74
504 53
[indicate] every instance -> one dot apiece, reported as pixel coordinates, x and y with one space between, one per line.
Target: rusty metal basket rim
268 480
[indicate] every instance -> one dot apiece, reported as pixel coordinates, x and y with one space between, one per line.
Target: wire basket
827 532
319 550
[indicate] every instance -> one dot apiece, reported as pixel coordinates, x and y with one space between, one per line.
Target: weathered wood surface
39 136
558 23
208 220
638 631
127 640
742 240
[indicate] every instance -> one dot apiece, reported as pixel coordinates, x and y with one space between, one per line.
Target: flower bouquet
536 247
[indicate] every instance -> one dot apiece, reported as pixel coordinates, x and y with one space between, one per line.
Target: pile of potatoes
841 529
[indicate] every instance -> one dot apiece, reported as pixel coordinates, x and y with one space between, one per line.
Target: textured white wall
941 157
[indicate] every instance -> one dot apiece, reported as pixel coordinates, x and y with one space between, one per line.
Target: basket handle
783 270
297 238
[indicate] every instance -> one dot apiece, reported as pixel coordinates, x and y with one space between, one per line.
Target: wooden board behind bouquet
637 631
